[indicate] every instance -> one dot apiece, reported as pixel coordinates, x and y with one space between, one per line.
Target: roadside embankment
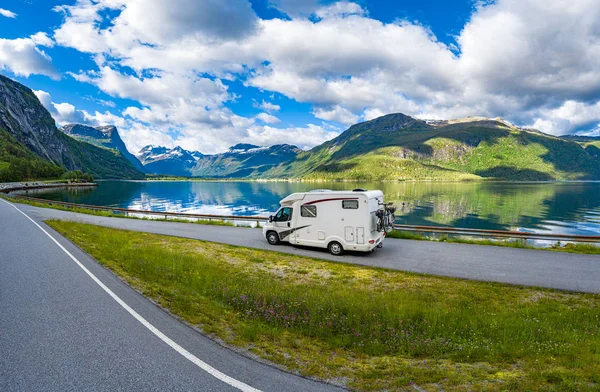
7 187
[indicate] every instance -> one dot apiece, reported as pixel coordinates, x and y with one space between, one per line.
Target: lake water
567 208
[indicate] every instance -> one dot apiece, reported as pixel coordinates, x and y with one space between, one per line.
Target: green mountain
104 136
398 147
245 160
591 144
17 162
25 125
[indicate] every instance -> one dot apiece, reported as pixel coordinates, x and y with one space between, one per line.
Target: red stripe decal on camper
323 200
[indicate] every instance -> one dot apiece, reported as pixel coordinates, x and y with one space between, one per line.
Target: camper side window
284 215
350 204
308 211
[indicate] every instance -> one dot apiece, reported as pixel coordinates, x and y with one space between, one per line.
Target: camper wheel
335 248
273 238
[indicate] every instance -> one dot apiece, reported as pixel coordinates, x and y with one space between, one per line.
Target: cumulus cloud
337 114
66 113
268 106
525 60
568 118
303 137
7 13
42 39
340 9
268 118
22 57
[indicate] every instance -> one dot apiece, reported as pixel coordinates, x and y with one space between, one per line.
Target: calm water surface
569 208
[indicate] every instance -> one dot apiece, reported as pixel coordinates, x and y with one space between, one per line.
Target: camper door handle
288 224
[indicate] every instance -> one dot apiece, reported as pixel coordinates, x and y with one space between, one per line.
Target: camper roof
291 199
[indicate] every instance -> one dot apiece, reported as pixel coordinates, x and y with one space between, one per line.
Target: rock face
172 162
104 136
23 117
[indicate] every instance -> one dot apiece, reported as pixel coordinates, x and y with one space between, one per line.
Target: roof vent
359 190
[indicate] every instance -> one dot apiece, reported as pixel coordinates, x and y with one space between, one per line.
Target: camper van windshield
284 215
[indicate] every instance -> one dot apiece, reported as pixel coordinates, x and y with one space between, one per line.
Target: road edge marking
189 356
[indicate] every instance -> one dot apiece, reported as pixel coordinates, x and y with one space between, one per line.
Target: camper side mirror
270 218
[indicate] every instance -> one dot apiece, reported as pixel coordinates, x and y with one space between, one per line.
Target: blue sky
209 74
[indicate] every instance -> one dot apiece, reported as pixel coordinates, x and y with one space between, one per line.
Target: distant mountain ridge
245 161
27 127
241 160
399 147
162 160
102 136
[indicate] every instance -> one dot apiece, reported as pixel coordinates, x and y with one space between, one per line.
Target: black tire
335 248
273 238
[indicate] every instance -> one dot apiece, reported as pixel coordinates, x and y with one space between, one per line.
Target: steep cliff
104 136
27 123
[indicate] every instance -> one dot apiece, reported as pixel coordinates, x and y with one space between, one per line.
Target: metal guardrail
523 235
128 212
421 229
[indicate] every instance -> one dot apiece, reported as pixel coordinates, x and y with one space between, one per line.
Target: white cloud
340 9
567 118
138 136
337 114
268 118
7 13
303 137
66 113
22 57
520 59
42 39
268 106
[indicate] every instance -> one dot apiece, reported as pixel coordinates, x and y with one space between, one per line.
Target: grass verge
558 247
370 329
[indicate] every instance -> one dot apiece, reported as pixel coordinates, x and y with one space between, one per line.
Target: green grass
569 248
390 149
376 329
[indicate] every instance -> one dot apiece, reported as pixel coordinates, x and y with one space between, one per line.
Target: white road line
191 357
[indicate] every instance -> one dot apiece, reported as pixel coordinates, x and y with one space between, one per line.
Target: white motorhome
337 220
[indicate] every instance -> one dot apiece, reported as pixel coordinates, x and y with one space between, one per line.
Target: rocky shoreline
7 187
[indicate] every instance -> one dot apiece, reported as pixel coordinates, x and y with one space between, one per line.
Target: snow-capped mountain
162 160
241 160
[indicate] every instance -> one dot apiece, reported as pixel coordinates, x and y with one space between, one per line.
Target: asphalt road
564 271
60 330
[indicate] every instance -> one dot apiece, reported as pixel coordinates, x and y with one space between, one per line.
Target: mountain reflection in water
569 208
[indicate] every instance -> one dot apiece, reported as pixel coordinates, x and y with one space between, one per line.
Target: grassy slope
241 165
373 328
453 152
